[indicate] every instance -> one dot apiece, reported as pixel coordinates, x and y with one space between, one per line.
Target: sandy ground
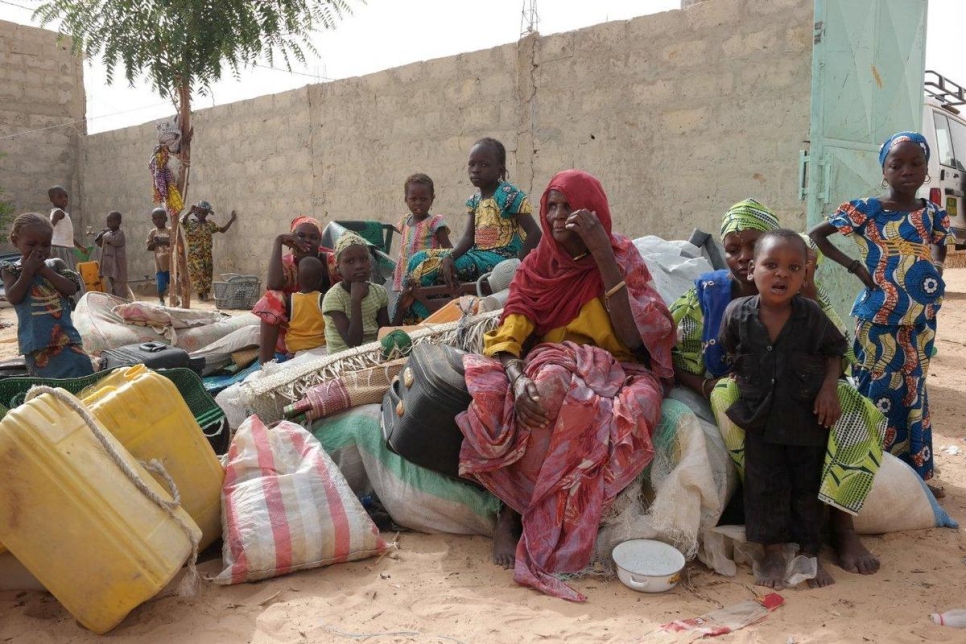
439 588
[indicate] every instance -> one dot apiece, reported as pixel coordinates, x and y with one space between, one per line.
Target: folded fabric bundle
351 390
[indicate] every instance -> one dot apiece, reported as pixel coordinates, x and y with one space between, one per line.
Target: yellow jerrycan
82 515
145 412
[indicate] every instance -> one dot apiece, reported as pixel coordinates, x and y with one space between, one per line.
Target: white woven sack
899 500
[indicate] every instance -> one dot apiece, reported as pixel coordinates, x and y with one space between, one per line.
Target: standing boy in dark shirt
787 360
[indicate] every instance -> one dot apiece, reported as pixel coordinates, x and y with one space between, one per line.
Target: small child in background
306 326
198 231
355 308
159 241
63 242
38 287
787 357
901 241
419 229
113 255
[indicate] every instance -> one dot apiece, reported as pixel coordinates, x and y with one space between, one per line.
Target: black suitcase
154 355
419 410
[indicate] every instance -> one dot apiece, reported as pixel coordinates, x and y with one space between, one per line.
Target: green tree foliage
180 44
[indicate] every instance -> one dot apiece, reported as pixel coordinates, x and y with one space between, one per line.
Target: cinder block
554 47
775 6
656 93
9 61
741 45
686 53
704 16
498 86
798 39
667 24
686 120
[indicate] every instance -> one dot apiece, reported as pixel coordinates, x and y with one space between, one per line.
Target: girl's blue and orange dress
50 344
896 322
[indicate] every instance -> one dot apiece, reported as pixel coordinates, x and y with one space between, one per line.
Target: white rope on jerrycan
189 584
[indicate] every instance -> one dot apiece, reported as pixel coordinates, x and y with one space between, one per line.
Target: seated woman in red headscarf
304 240
569 388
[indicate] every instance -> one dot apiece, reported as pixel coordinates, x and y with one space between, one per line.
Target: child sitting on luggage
355 308
38 287
306 326
159 241
787 358
113 255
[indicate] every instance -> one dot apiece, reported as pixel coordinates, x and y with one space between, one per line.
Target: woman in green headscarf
700 364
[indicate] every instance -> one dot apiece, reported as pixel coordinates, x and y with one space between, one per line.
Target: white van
945 129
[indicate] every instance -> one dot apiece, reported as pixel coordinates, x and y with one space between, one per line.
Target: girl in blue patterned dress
902 246
499 226
38 287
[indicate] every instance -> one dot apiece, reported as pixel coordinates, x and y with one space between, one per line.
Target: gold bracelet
614 289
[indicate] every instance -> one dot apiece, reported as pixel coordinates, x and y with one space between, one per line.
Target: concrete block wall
680 114
42 108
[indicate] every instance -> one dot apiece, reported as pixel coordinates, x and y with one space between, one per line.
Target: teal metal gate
868 62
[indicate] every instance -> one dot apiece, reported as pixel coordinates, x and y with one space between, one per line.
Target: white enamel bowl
648 566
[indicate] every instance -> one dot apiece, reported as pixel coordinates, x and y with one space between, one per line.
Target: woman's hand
447 270
289 240
526 402
234 216
587 226
708 385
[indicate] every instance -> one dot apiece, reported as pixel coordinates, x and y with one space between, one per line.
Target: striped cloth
287 507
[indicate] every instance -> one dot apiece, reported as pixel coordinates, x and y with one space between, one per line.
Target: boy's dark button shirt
779 381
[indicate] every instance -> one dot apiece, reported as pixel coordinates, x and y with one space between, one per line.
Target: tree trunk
180 291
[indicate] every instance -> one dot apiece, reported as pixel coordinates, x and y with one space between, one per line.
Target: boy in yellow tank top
306 328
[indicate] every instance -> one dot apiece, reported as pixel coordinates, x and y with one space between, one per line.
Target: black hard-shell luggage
419 410
154 355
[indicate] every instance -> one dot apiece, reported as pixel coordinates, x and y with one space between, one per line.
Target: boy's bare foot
771 573
822 577
852 554
509 527
938 491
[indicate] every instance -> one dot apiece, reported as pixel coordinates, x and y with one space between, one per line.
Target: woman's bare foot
853 556
509 527
822 577
938 491
771 573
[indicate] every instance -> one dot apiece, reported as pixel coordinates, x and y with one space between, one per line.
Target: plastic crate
237 291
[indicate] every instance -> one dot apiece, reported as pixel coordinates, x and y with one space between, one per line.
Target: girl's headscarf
348 239
302 219
902 137
749 214
551 287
